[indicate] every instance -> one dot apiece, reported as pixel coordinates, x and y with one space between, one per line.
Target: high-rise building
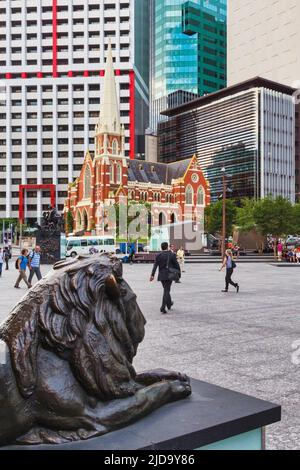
250 128
52 56
263 39
187 50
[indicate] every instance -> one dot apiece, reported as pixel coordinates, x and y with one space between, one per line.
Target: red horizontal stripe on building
54 38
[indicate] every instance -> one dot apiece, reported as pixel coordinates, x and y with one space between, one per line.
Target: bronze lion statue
70 343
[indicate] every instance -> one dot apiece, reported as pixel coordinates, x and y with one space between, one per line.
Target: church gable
85 178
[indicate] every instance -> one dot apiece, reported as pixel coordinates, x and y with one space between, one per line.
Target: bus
88 245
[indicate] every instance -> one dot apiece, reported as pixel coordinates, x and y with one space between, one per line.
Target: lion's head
87 314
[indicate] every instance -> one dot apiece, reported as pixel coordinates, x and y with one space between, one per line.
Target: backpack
17 262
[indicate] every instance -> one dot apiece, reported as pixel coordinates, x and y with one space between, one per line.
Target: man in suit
163 260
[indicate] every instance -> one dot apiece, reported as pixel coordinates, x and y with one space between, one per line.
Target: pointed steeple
109 119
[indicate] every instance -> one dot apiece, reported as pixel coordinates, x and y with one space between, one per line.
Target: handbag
173 273
233 264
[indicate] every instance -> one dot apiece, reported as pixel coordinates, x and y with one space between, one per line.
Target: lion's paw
180 389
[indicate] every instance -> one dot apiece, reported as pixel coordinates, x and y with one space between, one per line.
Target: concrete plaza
240 341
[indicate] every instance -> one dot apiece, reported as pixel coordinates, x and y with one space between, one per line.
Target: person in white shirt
180 258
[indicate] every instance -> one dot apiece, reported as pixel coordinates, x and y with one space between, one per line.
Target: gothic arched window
201 196
189 195
87 182
111 173
115 147
119 173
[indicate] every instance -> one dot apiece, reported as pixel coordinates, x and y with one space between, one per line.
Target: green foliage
245 215
274 216
269 216
214 217
69 222
130 218
296 219
8 221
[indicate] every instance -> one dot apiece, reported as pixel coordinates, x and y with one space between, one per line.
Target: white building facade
263 40
52 56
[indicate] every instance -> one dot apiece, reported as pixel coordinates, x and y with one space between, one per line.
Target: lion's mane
85 313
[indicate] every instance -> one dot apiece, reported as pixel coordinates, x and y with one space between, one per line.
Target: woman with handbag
169 271
230 265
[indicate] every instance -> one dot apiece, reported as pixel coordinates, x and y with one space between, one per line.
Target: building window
111 173
201 196
87 182
189 195
78 221
115 147
119 174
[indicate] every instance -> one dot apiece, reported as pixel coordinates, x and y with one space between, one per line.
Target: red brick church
175 191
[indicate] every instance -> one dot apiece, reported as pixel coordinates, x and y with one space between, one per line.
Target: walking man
34 264
22 264
169 270
229 264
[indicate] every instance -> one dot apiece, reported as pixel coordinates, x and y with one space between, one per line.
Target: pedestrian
35 264
295 256
290 256
236 251
1 261
7 257
21 265
229 264
131 252
180 258
298 255
169 271
279 250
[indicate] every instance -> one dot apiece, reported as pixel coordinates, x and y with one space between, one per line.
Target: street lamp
225 176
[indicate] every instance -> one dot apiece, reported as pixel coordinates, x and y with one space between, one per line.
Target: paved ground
239 341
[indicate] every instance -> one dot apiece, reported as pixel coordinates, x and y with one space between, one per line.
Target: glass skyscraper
188 49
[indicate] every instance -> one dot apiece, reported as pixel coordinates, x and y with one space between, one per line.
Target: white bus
87 245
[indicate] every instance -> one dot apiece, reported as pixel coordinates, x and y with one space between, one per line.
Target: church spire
109 119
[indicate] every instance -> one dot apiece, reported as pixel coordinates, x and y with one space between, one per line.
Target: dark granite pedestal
213 418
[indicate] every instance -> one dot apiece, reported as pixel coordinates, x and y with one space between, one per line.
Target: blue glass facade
175 54
193 61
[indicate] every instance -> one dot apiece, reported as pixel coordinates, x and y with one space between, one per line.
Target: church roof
156 173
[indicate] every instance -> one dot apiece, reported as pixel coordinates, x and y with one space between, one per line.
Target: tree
245 215
214 217
296 219
274 216
245 221
69 222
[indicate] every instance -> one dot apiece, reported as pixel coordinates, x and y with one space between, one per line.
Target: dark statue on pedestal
68 373
48 236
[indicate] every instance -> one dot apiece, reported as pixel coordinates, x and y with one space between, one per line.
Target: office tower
187 50
52 56
250 128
